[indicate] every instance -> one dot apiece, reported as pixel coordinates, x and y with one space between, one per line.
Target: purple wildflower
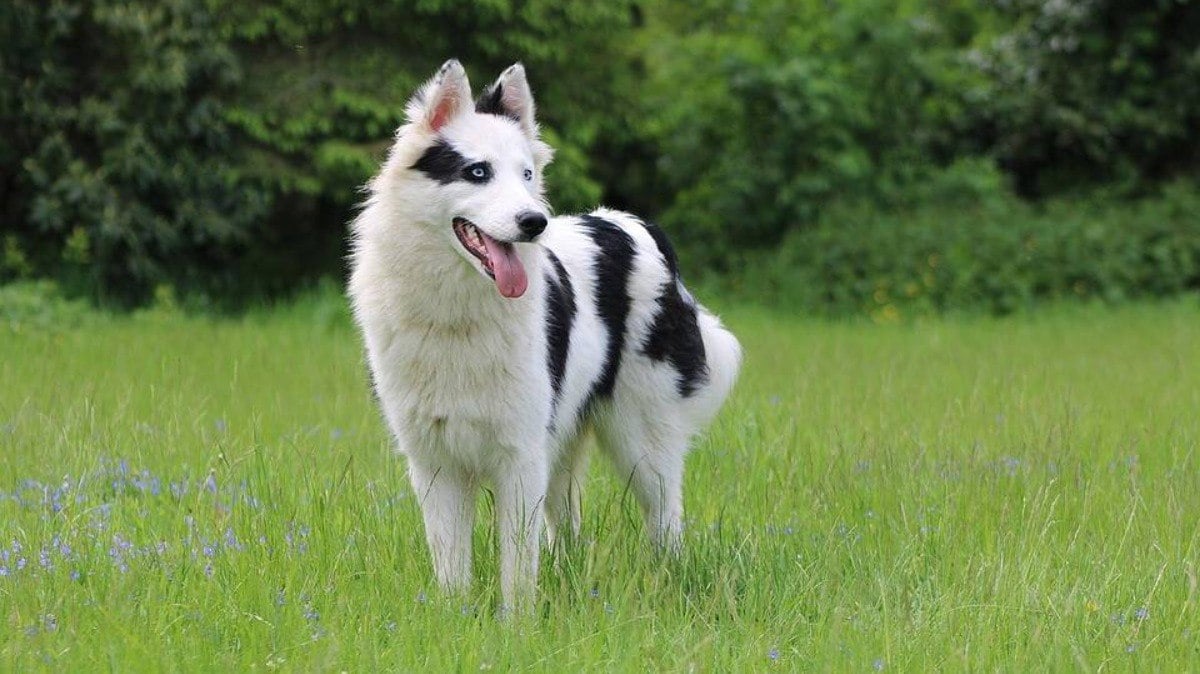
1142 613
773 654
878 664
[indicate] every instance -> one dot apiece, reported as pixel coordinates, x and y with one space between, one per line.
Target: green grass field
971 494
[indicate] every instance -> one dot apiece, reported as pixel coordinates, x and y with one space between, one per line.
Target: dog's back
623 327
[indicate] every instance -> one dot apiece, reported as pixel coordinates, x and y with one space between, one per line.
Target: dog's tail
723 355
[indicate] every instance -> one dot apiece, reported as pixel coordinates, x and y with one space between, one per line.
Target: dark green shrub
1081 92
995 255
774 109
118 168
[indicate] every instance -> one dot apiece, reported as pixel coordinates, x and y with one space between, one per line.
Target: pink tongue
506 266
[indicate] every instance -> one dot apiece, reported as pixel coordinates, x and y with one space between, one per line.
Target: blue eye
479 172
528 175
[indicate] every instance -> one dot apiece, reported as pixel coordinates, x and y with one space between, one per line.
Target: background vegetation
211 149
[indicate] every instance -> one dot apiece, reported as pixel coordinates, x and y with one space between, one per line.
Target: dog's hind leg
649 456
447 498
564 494
520 490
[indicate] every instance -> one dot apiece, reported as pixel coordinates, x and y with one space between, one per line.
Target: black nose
531 224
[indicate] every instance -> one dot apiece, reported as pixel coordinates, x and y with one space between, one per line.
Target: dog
498 337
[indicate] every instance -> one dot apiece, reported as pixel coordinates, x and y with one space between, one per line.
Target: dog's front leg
520 496
447 498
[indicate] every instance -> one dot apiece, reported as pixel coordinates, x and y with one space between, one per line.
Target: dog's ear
444 97
510 96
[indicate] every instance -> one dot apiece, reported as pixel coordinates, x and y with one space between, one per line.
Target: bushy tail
723 355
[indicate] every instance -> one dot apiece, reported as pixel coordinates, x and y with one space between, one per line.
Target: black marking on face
560 318
442 163
614 264
675 334
491 102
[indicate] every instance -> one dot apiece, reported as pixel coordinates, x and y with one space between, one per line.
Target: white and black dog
497 336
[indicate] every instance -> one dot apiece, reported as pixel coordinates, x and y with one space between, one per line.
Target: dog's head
477 166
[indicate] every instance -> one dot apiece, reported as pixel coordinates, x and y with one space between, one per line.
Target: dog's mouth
499 258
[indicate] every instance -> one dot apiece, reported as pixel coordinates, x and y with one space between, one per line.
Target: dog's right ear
443 98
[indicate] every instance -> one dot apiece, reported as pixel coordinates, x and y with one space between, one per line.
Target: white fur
461 372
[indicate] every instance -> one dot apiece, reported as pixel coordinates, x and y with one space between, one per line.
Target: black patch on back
441 163
560 317
614 263
664 247
675 334
490 102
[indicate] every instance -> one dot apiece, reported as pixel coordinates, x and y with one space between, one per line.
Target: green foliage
328 82
787 105
213 150
118 169
40 305
997 255
1082 92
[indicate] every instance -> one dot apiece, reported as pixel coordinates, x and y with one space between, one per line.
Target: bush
1086 92
118 169
40 305
995 255
778 108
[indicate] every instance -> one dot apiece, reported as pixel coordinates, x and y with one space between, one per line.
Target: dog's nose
531 223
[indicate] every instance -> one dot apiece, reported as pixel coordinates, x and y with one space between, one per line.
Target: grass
1018 494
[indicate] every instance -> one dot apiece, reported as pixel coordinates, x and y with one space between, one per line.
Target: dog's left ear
510 96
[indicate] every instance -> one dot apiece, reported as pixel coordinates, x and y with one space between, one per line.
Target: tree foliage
1086 92
218 146
788 105
118 171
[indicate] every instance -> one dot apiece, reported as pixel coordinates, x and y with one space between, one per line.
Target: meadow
195 494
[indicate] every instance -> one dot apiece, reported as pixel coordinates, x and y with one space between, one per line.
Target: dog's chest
462 388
